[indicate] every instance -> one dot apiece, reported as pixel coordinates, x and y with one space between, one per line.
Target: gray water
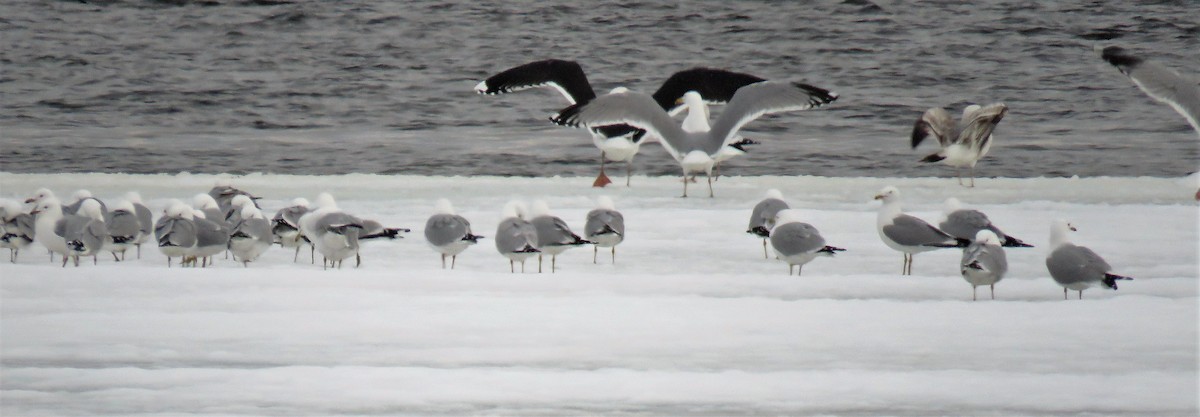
323 87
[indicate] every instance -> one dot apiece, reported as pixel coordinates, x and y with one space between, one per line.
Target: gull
1158 82
448 233
251 235
617 142
39 195
175 231
762 217
516 238
16 228
286 227
906 233
983 262
1074 267
233 214
124 228
48 214
224 192
212 237
77 200
962 143
210 208
696 143
82 234
336 234
605 227
145 220
796 242
553 234
966 224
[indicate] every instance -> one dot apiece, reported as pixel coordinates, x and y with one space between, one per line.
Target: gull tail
1012 242
472 238
830 250
1110 280
760 231
528 249
580 241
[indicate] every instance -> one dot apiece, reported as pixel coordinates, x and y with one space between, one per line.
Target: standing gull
617 142
448 233
175 231
553 234
145 219
77 200
964 142
84 234
1076 267
47 214
966 224
516 238
251 235
1158 82
798 243
762 218
212 237
16 228
605 227
124 228
286 228
696 143
983 262
906 233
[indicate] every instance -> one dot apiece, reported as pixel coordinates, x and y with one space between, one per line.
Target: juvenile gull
124 228
448 233
966 224
605 227
983 262
16 228
286 227
617 142
695 144
516 238
553 234
1076 267
175 231
1158 82
906 233
251 235
762 217
962 143
798 243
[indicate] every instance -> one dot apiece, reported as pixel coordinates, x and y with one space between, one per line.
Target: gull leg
973 288
511 269
115 258
765 255
1080 294
443 261
312 254
972 177
993 291
710 192
553 260
628 170
716 171
139 246
799 270
357 261
522 267
64 261
614 255
595 251
168 262
791 269
1065 293
452 260
95 260
685 180
539 263
602 179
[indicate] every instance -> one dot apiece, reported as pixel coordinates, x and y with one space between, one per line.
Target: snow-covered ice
690 320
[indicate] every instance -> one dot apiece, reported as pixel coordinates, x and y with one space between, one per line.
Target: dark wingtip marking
1012 242
759 231
933 158
1110 280
820 96
1120 58
831 250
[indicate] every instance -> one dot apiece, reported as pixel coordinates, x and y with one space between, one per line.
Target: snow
690 320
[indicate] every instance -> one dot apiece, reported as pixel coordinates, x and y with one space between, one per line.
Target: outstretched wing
936 122
766 97
978 126
1158 82
565 76
715 85
632 108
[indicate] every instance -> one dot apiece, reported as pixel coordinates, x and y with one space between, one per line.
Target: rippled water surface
386 87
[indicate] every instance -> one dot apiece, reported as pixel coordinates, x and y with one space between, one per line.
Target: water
347 87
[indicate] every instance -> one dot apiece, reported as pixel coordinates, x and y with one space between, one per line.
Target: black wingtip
1012 242
831 250
472 238
933 158
1110 280
1120 58
820 96
528 249
760 231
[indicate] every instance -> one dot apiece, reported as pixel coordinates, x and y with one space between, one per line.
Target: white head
540 208
300 202
80 195
125 205
697 117
987 237
774 193
39 195
48 207
198 214
91 208
443 206
888 194
325 200
787 216
134 197
619 90
179 210
223 182
514 209
204 201
951 205
251 212
605 203
241 200
9 209
1059 233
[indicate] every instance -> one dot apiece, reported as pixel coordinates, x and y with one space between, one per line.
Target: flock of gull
229 220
